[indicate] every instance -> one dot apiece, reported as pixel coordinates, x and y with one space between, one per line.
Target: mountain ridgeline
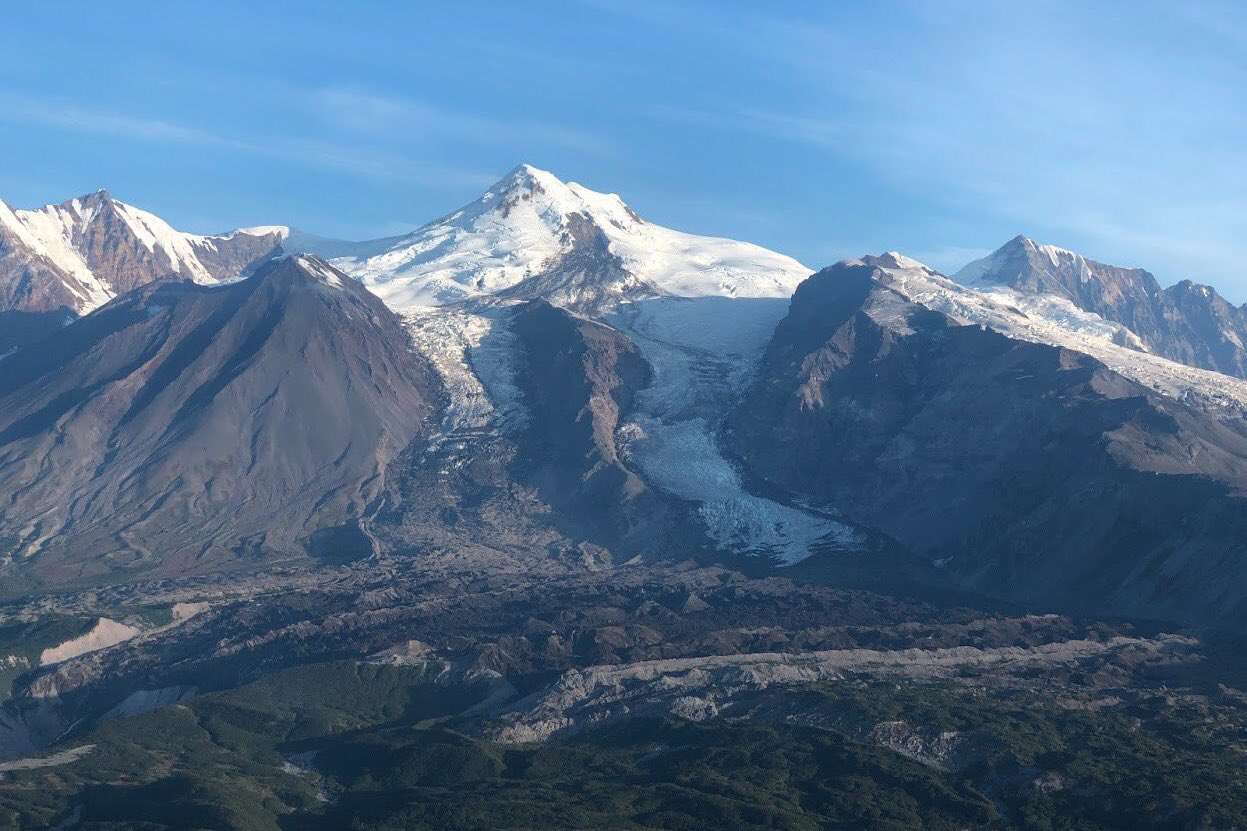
184 427
61 261
543 376
1187 322
1025 470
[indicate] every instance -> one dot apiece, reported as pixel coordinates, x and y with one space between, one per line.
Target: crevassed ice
703 353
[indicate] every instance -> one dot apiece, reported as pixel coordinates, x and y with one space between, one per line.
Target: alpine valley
546 516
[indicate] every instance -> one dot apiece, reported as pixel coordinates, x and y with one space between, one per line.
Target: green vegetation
1161 761
149 617
22 643
348 746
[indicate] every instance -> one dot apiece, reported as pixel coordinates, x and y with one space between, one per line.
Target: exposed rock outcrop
186 427
1186 322
577 377
1025 470
103 634
61 261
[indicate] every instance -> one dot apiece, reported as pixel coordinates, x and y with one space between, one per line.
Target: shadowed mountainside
183 428
1026 470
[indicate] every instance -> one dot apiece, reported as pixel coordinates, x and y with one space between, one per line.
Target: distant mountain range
1186 322
65 260
545 370
1024 469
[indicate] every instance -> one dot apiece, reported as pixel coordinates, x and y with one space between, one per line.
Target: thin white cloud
350 158
65 115
400 118
1127 141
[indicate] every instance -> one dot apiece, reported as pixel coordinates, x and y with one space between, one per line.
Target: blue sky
822 130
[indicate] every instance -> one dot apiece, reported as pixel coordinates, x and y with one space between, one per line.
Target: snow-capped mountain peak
81 253
533 235
552 199
1051 319
1185 322
1017 256
895 259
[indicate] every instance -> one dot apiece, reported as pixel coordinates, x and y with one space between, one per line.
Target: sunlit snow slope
1050 319
1186 322
82 253
565 242
700 309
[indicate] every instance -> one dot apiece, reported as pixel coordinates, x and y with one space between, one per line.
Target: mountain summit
1028 461
1187 322
61 261
532 235
543 369
194 427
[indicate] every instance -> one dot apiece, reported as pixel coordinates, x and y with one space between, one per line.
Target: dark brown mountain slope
1028 471
577 377
184 427
548 478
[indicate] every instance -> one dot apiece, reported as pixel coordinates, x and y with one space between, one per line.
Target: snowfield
525 223
48 233
54 233
1058 322
703 353
700 309
715 307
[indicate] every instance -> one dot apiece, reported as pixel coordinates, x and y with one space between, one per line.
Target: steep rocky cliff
60 261
1186 322
1025 470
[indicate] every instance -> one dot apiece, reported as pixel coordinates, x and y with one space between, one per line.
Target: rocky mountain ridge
62 261
274 553
100 247
560 376
1024 469
186 427
1187 322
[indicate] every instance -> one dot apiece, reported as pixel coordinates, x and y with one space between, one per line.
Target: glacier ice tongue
703 352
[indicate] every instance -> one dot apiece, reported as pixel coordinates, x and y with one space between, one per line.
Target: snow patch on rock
474 355
1058 322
